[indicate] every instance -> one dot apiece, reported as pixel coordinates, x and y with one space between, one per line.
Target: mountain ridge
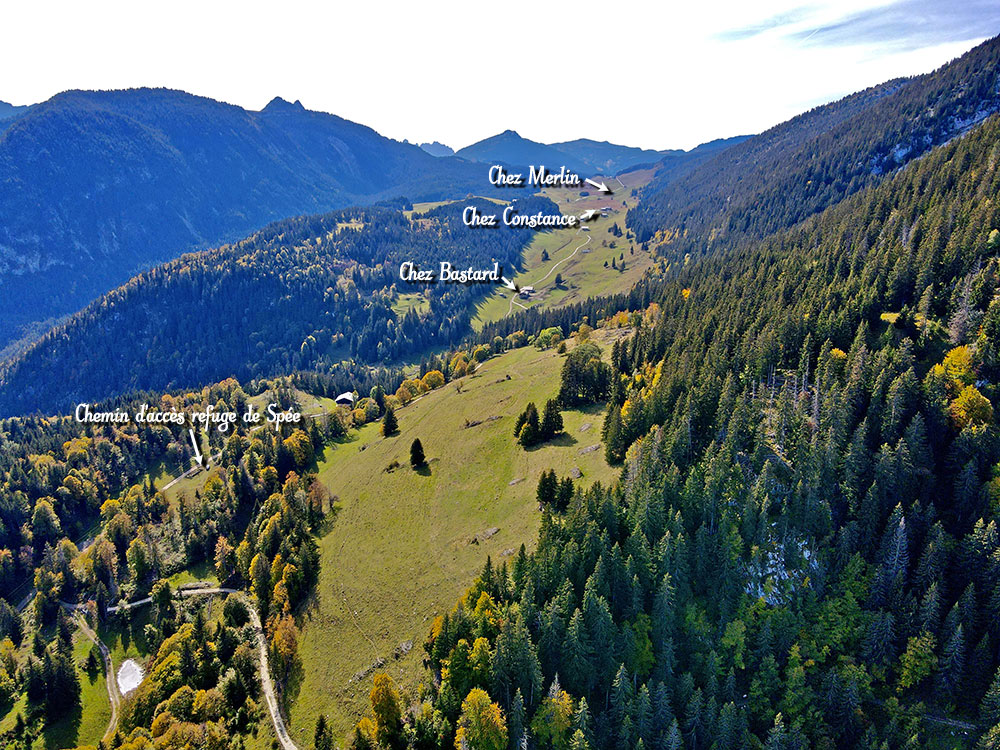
304 292
510 147
8 110
812 161
584 155
96 186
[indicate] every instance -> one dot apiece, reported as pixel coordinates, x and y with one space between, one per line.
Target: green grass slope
577 255
95 709
404 544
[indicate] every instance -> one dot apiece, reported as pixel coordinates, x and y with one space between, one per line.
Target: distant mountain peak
277 104
437 148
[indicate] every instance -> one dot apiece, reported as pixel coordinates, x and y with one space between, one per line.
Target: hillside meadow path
110 680
513 297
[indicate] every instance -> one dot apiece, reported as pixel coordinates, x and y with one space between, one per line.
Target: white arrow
599 185
197 453
509 284
588 214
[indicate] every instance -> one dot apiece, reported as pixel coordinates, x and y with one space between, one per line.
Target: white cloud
666 75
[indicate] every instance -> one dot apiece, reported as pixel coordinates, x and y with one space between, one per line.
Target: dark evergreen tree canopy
417 458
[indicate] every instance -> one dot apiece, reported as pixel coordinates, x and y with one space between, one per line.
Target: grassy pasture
404 544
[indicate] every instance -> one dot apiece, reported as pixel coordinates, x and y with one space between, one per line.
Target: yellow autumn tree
386 711
300 447
971 407
433 379
403 395
918 661
958 367
284 647
553 723
481 724
364 734
459 365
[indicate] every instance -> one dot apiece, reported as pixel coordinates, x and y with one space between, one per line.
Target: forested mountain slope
64 484
803 549
96 186
800 167
302 293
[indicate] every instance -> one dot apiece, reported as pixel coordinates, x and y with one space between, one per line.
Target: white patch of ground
130 674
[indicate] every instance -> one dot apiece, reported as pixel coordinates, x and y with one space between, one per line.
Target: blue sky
663 75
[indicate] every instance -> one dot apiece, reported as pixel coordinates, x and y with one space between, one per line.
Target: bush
549 337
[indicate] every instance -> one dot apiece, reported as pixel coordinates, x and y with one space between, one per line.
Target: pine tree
951 666
552 421
621 696
529 432
728 732
577 656
930 609
548 486
389 424
417 454
989 710
694 726
644 716
565 493
323 736
601 628
514 668
515 722
579 741
674 740
583 722
614 439
990 740
878 646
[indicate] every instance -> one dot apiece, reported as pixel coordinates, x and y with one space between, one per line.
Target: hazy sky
667 74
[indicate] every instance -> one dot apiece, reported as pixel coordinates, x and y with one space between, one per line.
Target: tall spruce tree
417 458
389 424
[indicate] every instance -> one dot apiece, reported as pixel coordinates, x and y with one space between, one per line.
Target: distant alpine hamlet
311 438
